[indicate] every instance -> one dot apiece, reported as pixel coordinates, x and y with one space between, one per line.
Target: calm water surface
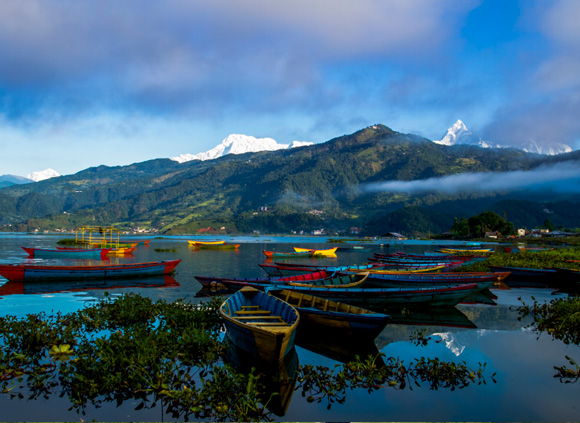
525 387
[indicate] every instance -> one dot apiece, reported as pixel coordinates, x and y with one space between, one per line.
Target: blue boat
260 324
76 253
442 296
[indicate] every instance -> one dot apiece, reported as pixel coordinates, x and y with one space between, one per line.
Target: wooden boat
426 278
444 296
327 315
26 272
280 269
122 251
291 254
340 281
197 243
80 285
400 269
209 281
76 253
465 250
524 272
223 246
416 263
260 324
321 278
330 252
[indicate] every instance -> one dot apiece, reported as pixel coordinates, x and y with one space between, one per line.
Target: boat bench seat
259 317
282 323
253 312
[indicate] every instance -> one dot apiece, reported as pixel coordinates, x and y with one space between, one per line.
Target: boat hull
26 272
324 316
446 296
331 252
77 253
269 342
276 254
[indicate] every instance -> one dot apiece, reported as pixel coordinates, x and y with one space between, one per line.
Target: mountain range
239 144
326 185
457 134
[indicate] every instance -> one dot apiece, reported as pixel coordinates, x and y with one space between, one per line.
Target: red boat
26 272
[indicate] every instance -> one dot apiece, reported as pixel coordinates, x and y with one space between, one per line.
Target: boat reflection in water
341 349
54 286
277 378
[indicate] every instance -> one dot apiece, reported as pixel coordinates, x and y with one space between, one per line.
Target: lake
524 389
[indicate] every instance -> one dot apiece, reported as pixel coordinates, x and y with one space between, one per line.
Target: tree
476 226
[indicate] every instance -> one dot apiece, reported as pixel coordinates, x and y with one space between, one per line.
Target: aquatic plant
373 373
132 348
561 257
560 318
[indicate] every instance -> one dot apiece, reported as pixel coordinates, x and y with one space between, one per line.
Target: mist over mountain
324 185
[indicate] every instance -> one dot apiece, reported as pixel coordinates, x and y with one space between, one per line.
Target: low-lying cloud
562 177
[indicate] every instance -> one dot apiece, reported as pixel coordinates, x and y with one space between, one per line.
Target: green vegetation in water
559 257
560 318
165 250
133 349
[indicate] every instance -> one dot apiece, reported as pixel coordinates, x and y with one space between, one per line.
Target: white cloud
563 177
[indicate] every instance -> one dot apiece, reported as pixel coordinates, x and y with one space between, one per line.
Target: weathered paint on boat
25 272
525 272
209 281
55 286
79 253
290 254
122 251
330 252
324 314
196 243
445 296
260 324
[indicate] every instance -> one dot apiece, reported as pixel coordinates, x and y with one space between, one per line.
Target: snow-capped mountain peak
459 134
239 144
550 149
42 175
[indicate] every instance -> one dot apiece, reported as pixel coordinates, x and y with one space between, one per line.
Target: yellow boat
122 251
195 243
379 271
331 252
465 250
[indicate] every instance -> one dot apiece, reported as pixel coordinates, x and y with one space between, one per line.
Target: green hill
306 188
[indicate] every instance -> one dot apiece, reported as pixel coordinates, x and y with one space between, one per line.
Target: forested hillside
314 187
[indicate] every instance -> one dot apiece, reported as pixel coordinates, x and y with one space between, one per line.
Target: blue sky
85 83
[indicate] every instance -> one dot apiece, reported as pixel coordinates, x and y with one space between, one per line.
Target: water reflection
341 349
55 286
278 380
